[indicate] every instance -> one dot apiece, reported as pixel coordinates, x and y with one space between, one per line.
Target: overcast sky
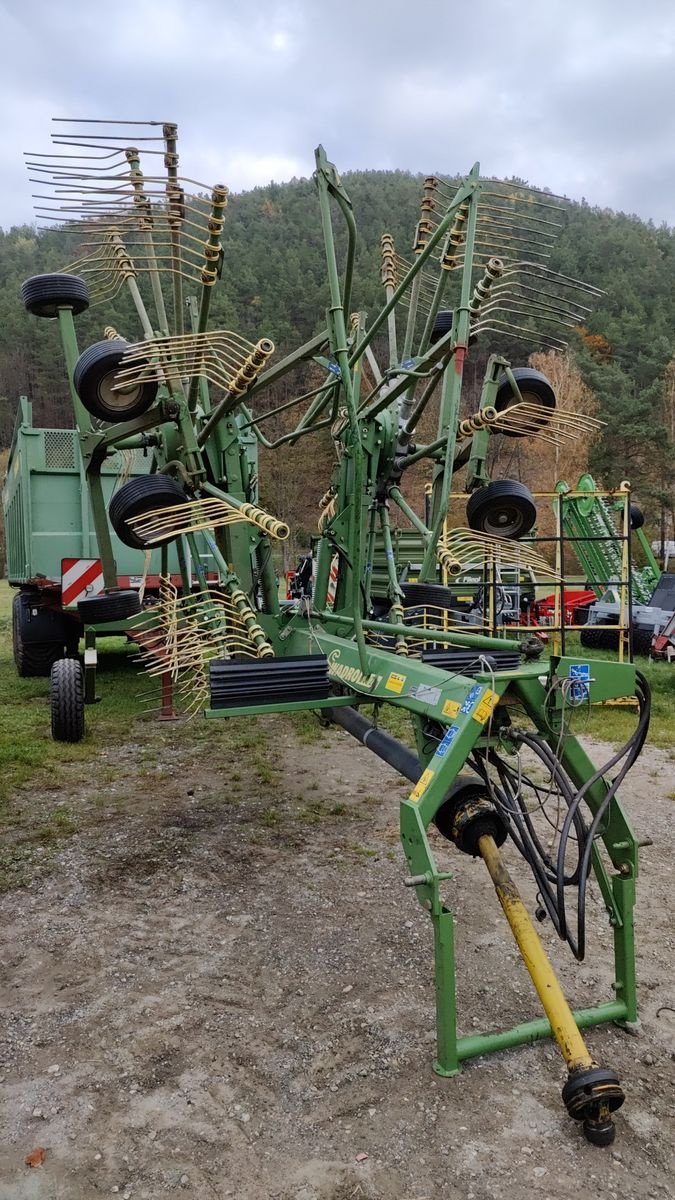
574 95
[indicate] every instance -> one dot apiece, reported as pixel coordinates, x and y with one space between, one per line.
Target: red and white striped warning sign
332 581
80 577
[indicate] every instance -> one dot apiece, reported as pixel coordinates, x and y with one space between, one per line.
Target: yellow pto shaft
550 993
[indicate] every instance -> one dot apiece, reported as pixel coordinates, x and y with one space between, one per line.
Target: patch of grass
362 851
28 755
322 810
613 723
397 722
33 848
60 826
306 727
270 817
243 736
267 774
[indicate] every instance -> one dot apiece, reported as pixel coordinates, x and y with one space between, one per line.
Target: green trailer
52 551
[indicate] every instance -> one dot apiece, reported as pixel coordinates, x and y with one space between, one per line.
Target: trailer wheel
44 295
598 639
94 378
142 495
66 697
35 659
115 606
504 508
535 388
606 639
642 641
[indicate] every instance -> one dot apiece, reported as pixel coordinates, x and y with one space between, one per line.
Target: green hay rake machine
488 714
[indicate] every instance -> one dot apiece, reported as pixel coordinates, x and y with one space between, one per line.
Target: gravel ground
219 987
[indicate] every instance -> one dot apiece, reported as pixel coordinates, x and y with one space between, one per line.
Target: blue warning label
450 735
472 698
581 674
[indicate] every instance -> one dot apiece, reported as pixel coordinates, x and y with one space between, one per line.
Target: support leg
625 982
447 1062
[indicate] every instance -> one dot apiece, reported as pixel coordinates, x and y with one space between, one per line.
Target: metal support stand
90 664
167 712
447 1049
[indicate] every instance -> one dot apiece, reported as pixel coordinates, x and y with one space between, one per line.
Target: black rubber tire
534 387
642 641
606 639
598 639
94 375
44 295
433 595
505 508
141 495
66 698
115 606
442 325
34 660
421 597
637 517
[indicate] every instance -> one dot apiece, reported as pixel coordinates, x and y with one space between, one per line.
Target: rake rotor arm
425 368
126 267
476 641
463 193
212 255
175 206
254 422
286 438
143 203
326 392
399 499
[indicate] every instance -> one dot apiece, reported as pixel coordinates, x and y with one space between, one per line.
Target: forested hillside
274 285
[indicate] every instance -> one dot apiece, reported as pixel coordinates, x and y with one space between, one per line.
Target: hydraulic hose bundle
550 873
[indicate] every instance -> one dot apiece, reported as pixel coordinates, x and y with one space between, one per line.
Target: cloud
574 96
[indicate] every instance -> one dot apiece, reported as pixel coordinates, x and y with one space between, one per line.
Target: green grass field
28 756
27 752
614 723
